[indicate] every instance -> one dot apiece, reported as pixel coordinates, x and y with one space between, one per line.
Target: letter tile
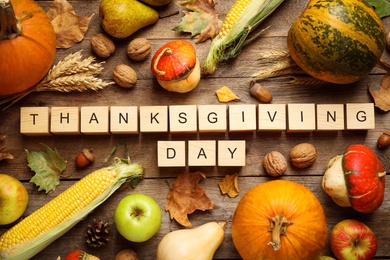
153 119
124 119
171 153
34 120
242 118
202 153
231 153
65 121
360 116
330 117
272 117
212 118
183 119
95 120
301 117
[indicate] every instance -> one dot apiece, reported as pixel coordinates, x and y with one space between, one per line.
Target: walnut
139 49
125 76
303 155
102 45
275 163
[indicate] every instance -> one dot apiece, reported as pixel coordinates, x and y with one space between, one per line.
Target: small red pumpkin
356 179
279 220
176 66
80 255
27 45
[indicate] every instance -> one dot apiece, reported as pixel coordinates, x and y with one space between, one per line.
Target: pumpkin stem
278 227
165 51
9 25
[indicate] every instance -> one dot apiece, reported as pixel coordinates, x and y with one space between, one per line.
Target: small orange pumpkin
176 66
27 45
278 220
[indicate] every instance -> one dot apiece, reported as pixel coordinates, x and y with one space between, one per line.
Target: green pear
156 2
122 18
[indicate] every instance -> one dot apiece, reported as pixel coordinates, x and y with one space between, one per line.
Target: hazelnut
84 158
275 163
260 92
139 49
384 140
125 76
102 45
303 155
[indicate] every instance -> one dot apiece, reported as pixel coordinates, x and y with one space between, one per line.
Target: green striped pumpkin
338 41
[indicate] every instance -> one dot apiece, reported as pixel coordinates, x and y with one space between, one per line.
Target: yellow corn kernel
59 209
234 13
55 218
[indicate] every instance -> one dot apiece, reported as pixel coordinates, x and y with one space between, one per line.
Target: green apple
13 199
137 217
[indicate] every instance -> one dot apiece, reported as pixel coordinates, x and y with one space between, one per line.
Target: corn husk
229 46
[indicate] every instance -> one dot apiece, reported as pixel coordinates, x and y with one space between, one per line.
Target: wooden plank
237 74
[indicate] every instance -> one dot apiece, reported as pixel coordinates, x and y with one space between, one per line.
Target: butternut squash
198 243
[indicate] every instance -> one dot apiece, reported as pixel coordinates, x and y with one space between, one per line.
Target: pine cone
98 233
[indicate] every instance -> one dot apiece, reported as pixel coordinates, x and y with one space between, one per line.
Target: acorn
84 158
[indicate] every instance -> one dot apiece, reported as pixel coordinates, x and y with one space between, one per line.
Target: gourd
278 220
176 66
337 41
356 179
198 243
27 45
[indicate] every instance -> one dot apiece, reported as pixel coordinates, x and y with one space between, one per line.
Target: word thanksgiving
100 120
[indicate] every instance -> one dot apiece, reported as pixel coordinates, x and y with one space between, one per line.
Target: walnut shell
303 155
139 49
275 163
102 45
125 76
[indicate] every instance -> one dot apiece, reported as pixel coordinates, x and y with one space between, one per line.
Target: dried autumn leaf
68 26
224 94
202 19
229 185
4 155
47 166
382 96
186 196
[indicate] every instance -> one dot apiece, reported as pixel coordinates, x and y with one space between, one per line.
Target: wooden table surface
235 74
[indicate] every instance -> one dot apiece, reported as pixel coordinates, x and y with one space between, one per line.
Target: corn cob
42 227
240 21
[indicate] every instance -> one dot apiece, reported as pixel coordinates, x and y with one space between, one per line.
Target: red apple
13 199
353 240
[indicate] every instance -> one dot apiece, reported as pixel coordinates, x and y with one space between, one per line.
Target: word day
201 153
90 120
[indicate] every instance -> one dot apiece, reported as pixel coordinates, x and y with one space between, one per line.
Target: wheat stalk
73 73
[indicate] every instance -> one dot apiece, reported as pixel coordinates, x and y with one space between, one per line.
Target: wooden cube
65 120
124 119
272 117
201 153
171 153
183 119
34 120
301 117
231 153
153 119
95 120
242 118
360 116
212 118
330 117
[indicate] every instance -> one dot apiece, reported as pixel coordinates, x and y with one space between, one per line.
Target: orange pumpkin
279 220
27 45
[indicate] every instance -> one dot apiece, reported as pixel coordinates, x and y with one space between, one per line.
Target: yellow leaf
229 185
224 95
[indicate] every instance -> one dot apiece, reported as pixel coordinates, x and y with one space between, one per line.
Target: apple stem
165 51
278 227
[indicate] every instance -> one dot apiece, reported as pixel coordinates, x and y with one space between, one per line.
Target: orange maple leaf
186 196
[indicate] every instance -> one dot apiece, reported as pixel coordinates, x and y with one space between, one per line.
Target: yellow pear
122 18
